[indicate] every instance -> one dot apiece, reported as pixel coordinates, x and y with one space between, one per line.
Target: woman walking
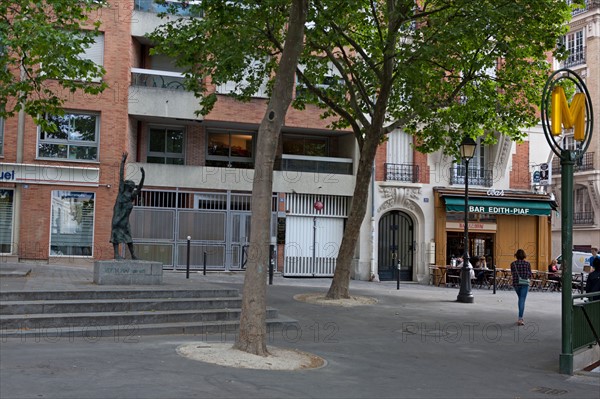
521 273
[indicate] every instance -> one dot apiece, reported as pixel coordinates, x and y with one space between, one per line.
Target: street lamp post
467 151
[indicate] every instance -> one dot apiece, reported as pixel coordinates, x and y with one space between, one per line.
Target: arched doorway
396 244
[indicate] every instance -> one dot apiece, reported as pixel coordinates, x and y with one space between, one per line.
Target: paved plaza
416 342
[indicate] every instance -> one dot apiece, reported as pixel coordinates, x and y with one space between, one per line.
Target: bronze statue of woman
128 191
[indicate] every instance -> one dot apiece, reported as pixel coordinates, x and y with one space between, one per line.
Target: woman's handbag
522 281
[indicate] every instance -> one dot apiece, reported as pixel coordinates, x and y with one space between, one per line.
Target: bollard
204 272
398 278
271 263
187 266
494 279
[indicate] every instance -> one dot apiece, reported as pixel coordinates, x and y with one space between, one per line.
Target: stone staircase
123 313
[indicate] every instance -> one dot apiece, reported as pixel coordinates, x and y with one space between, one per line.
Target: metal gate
396 246
217 224
313 237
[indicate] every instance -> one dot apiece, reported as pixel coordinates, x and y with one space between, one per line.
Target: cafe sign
499 206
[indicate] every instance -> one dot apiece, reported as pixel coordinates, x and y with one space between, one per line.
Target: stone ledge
127 272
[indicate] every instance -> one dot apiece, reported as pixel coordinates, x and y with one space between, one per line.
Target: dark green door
396 244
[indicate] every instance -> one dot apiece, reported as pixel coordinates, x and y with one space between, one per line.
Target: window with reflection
72 223
306 145
75 137
166 146
228 148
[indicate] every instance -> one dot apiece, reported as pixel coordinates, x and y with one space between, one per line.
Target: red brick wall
380 160
114 138
519 174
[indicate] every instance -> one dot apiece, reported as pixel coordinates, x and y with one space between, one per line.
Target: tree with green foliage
41 43
437 69
232 39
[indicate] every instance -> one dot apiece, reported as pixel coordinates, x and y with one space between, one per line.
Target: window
306 145
230 149
330 78
72 223
478 174
165 145
6 220
1 137
75 138
574 44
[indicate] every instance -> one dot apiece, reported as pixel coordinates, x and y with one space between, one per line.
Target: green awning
499 206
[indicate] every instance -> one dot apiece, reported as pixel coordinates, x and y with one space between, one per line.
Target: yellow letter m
569 117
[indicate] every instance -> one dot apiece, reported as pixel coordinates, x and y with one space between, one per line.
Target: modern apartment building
57 194
583 43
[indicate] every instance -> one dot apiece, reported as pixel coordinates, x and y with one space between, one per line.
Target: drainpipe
18 187
374 274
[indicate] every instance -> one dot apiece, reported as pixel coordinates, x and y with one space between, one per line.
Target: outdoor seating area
449 276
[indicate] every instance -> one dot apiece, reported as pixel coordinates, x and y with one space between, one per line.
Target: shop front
500 222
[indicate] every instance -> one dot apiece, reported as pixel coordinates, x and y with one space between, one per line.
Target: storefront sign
499 206
475 226
499 210
7 175
495 193
49 174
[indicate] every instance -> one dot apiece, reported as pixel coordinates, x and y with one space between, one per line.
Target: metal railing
589 4
301 163
575 58
182 7
159 79
406 172
586 318
585 163
477 176
580 218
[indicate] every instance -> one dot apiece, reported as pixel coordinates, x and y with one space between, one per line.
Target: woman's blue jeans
521 291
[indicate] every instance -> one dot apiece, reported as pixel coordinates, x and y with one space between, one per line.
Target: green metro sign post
561 120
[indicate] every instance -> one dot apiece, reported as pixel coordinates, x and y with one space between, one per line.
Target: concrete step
129 333
54 320
116 305
115 294
117 313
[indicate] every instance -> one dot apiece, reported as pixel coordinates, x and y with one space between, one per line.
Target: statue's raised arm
121 232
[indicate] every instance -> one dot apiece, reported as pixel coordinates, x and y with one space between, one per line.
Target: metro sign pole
578 118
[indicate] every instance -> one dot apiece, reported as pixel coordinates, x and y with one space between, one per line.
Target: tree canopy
41 47
437 69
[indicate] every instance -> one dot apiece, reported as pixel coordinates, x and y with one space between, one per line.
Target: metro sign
558 115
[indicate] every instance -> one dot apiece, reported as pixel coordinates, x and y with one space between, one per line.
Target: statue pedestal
127 272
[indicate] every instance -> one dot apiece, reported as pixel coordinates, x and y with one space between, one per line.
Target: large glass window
306 145
165 145
6 220
72 223
75 138
230 149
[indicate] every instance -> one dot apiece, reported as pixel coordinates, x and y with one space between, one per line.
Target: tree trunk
340 285
252 336
341 279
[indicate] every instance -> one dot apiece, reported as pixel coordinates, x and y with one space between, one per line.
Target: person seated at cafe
553 273
593 280
480 267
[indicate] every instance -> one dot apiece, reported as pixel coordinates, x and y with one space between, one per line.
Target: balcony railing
585 163
160 79
477 176
575 58
589 4
580 218
302 163
406 172
182 7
